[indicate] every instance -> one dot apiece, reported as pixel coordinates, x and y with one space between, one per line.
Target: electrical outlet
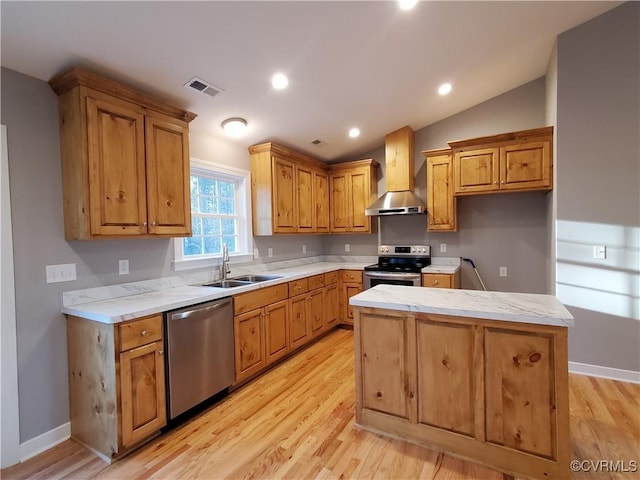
443 248
347 247
599 252
304 249
256 253
64 272
123 267
270 252
503 271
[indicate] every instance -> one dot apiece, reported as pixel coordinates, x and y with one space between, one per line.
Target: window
219 215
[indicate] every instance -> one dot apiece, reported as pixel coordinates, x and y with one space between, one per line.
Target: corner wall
598 187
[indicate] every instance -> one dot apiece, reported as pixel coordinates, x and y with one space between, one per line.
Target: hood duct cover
397 203
399 199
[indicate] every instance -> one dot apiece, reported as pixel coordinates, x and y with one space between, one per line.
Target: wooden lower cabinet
351 283
116 383
298 326
489 391
331 300
276 330
441 280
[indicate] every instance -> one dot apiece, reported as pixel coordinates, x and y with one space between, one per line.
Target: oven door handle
408 276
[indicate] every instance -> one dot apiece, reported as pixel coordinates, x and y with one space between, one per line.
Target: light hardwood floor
296 421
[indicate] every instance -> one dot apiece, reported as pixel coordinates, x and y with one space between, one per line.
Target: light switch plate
270 252
64 272
123 267
503 271
599 252
443 248
304 249
347 247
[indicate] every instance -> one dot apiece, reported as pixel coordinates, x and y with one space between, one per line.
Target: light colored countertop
506 306
144 300
443 265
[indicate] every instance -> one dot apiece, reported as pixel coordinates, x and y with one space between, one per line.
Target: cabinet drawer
437 280
139 332
331 277
246 302
351 276
316 281
298 286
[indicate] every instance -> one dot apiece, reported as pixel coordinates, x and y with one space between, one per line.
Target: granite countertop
118 303
512 307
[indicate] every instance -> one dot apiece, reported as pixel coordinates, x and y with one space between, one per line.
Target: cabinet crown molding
519 136
76 76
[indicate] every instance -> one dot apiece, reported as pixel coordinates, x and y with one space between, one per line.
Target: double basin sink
242 281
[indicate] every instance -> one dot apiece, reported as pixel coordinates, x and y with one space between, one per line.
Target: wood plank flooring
296 421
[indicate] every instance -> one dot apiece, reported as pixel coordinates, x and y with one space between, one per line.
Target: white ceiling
362 63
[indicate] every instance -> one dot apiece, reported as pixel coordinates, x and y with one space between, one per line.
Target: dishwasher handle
199 311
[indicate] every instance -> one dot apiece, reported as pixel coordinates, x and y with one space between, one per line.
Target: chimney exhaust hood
399 198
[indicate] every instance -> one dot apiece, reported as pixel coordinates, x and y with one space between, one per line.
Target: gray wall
508 230
598 175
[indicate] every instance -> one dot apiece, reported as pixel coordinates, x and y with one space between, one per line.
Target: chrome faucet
225 261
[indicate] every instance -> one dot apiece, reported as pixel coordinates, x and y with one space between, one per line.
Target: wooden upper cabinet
516 161
441 203
125 160
353 187
289 191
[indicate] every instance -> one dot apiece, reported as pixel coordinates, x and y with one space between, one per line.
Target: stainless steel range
398 265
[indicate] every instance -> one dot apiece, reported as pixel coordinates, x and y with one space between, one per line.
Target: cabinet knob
160 352
144 224
144 333
495 183
435 282
154 224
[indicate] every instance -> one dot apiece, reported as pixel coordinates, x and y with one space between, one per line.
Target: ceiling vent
204 87
318 143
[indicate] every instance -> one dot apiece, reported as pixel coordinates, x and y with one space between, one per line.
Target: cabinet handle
154 224
144 224
435 282
144 333
495 183
160 352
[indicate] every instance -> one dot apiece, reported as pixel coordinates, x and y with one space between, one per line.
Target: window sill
198 263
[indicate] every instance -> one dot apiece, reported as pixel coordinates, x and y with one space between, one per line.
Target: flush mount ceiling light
234 127
354 132
407 4
444 89
279 81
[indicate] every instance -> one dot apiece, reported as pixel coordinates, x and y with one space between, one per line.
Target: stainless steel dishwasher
199 358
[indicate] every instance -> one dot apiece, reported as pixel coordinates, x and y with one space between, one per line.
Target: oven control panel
399 250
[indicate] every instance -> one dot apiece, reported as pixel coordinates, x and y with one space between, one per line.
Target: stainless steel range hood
399 198
397 203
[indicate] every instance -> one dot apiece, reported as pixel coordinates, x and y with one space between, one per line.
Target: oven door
371 279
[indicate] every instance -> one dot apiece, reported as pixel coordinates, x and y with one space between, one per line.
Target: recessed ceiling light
444 88
279 81
234 127
354 132
407 4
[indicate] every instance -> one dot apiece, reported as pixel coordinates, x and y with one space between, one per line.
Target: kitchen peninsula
479 375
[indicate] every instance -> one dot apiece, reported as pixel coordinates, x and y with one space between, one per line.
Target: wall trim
604 372
43 442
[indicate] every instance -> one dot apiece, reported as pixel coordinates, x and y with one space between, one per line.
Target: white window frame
245 230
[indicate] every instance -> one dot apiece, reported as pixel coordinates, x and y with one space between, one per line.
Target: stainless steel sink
256 278
227 284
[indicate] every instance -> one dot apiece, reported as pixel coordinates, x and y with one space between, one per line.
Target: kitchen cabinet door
348 291
339 202
168 176
305 205
298 330
441 203
321 198
284 196
441 280
385 366
116 159
317 323
520 391
249 344
360 198
446 380
477 170
276 328
142 390
525 166
331 305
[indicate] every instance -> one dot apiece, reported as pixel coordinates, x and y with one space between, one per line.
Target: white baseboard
43 442
604 372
